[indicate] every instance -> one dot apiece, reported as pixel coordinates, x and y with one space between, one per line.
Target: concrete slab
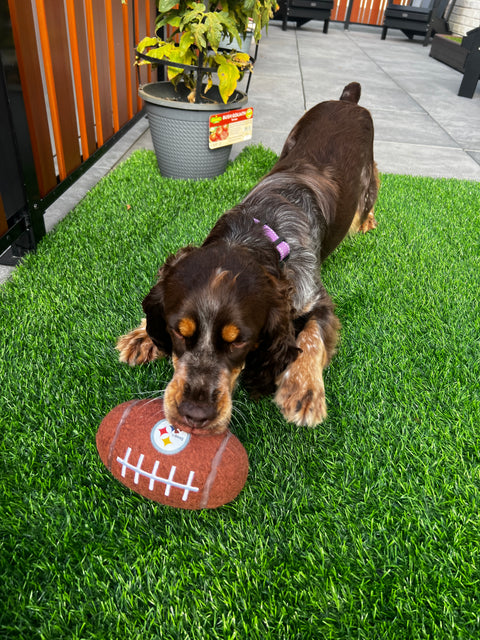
436 162
415 127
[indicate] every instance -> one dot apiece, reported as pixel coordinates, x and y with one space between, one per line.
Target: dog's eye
185 328
232 337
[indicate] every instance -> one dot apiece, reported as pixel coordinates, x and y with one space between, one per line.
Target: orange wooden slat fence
76 65
363 11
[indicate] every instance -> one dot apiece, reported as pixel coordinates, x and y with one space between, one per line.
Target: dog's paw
368 224
300 389
136 347
301 399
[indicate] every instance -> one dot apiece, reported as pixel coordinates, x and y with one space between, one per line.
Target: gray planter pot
246 43
180 130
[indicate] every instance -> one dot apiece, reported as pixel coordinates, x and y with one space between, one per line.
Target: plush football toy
194 470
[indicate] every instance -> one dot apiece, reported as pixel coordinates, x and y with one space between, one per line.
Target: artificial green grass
365 527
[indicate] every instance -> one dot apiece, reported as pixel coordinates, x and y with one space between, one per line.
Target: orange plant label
230 127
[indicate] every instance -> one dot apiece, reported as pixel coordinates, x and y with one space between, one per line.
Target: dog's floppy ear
276 350
156 325
153 304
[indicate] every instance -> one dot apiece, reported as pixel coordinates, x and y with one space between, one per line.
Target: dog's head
217 311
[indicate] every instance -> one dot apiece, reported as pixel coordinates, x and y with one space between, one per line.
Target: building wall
465 16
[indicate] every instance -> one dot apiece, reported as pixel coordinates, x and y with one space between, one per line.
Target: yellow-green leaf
186 42
174 21
198 32
173 72
175 55
166 5
228 75
241 59
156 53
209 84
214 30
147 42
195 15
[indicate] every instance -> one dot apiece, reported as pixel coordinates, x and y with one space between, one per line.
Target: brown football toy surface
194 470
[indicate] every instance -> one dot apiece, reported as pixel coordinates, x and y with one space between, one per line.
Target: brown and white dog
249 300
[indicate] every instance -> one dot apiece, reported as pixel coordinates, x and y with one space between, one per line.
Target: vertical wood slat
77 76
54 39
23 27
86 75
111 64
99 71
139 73
61 67
101 61
127 59
377 12
144 26
356 11
93 70
84 121
122 97
131 57
340 10
80 22
148 31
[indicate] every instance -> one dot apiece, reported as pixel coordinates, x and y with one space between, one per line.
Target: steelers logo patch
167 439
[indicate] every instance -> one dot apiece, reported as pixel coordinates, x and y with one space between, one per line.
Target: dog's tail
351 92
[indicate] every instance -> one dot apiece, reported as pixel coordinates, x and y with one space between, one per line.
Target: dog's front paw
136 347
300 389
301 399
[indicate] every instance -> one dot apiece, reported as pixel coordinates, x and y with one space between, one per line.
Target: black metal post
348 15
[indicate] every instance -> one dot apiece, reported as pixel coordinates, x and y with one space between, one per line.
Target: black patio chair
301 11
419 17
471 69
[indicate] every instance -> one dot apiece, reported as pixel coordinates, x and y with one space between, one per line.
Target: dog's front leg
136 347
300 388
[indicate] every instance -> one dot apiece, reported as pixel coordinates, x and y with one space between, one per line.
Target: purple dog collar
280 244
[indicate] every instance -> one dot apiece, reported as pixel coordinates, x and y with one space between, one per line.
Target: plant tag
230 127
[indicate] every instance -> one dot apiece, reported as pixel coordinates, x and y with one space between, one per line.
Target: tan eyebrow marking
222 274
230 332
219 276
187 327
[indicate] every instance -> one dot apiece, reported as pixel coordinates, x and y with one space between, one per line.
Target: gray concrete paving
421 126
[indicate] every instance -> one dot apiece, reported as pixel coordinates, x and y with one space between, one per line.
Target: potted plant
203 67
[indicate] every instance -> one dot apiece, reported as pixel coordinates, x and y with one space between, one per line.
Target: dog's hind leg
136 347
364 219
300 388
362 224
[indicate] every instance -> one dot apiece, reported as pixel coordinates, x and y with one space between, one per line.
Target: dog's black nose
197 414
